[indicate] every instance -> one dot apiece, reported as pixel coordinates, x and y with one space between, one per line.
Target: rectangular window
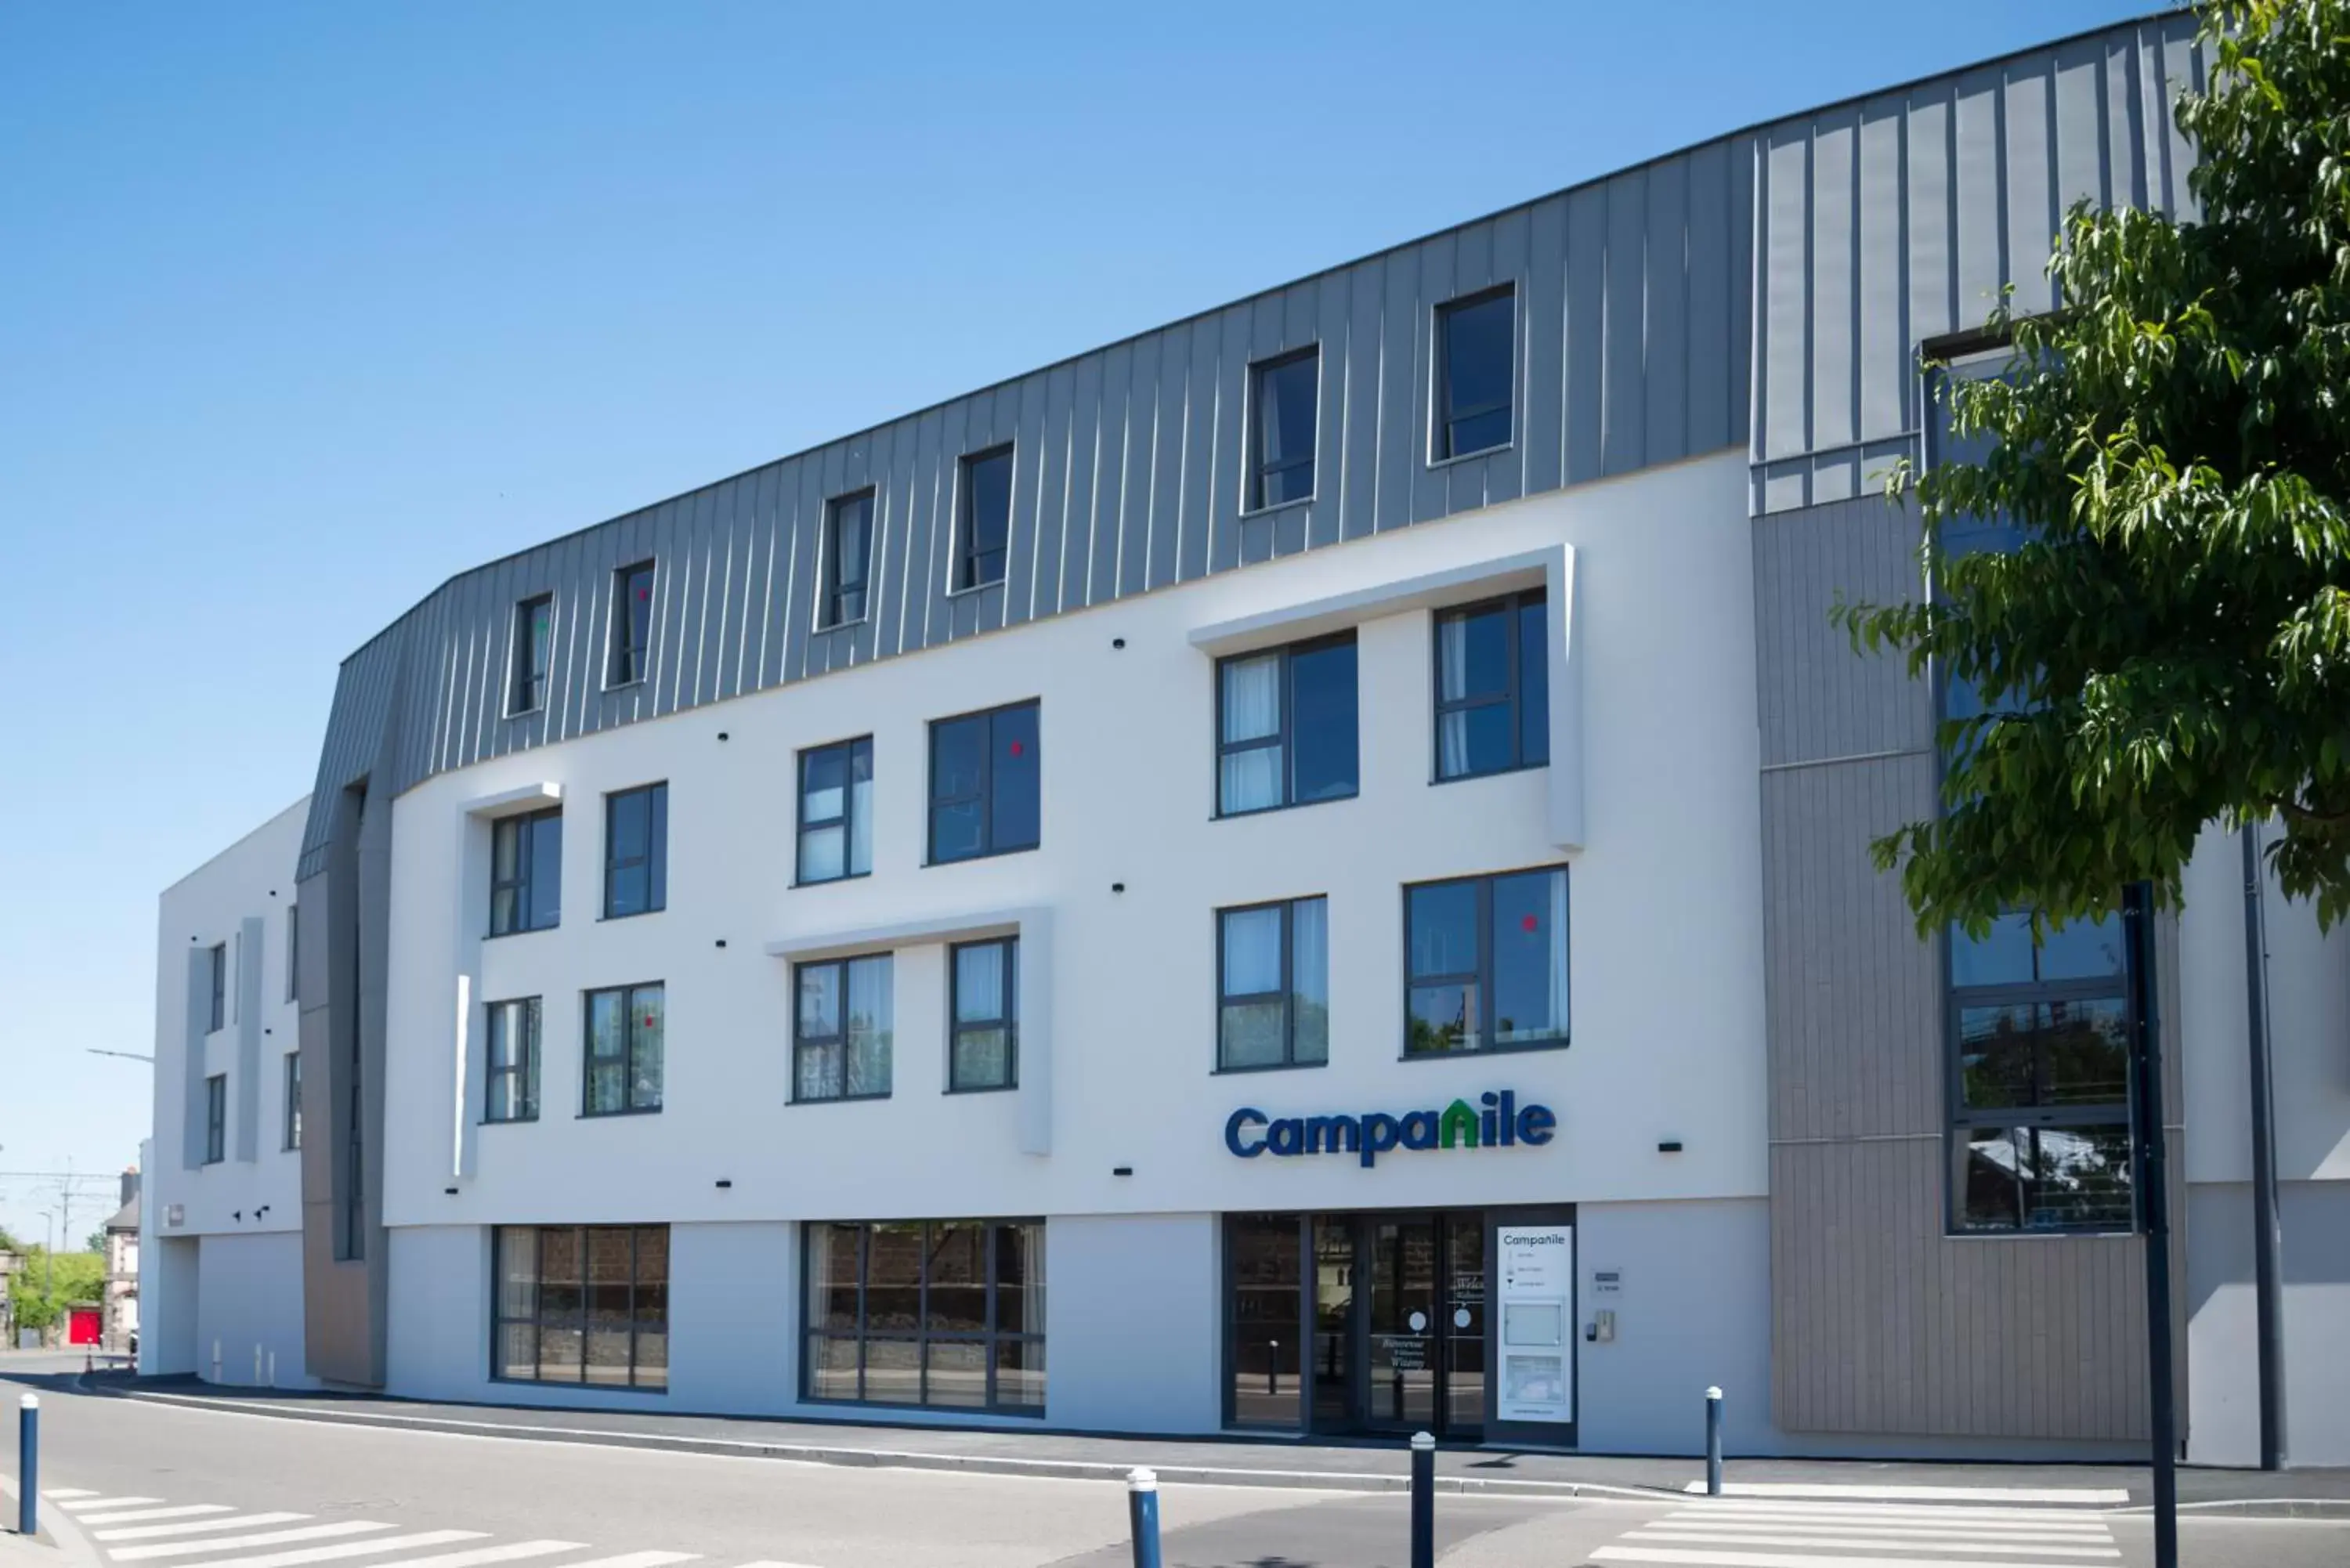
985 528
841 1029
985 776
984 1052
636 851
836 811
527 872
847 555
948 1314
1493 687
293 1099
1273 991
624 1051
215 1118
1282 393
293 952
219 964
581 1304
632 624
534 628
1286 726
1487 963
513 1062
1476 368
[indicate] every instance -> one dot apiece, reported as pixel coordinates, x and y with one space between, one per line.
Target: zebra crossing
152 1530
1758 1533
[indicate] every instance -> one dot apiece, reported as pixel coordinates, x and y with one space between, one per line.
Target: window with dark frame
1273 989
944 1313
293 952
1493 687
632 625
624 1051
984 784
513 1062
983 531
2038 1026
527 872
1476 371
215 1118
841 1029
835 811
983 1009
1486 963
218 959
636 851
847 557
533 626
1287 726
581 1304
293 1125
1282 396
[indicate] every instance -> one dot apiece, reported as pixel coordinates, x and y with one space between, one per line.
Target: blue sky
304 308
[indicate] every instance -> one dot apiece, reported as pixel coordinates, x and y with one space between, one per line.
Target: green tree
44 1287
2171 643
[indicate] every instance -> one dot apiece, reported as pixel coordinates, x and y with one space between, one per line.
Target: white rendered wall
249 1299
1665 954
2309 1033
1134 1312
253 879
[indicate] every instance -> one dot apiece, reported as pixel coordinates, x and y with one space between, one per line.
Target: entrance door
1335 1271
1405 1336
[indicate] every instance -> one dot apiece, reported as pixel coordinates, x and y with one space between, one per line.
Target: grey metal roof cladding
1789 270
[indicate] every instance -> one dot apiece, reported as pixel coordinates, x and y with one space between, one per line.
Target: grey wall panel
1665 349
2029 157
1623 435
1835 305
1745 228
1817 699
1707 332
1587 332
1881 346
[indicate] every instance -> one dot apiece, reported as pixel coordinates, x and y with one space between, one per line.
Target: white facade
220 1242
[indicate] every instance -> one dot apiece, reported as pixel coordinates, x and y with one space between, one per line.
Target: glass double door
1400 1323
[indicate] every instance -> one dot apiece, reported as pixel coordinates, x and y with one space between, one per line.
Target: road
372 1498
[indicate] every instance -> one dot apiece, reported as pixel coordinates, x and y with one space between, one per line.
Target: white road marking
1873 1513
484 1554
762 1564
2051 1494
132 1516
59 1493
348 1549
235 1542
1713 1557
646 1560
1866 1543
202 1527
87 1501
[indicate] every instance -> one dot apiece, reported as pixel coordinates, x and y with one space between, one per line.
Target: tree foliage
2170 644
41 1294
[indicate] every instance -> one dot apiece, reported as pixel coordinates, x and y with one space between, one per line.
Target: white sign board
1537 1356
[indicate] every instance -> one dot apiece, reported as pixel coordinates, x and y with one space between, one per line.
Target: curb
58 1542
896 1458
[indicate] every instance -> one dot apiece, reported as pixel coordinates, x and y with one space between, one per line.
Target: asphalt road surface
157 1486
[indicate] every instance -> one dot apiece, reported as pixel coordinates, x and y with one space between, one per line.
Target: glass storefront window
581 1304
944 1313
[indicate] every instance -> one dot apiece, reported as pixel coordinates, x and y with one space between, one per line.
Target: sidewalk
1239 1461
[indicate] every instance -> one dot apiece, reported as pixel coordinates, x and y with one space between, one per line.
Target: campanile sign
1497 1121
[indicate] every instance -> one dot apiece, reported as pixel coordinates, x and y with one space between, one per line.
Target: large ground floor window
582 1304
948 1314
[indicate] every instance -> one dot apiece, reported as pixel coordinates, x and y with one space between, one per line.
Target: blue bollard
1713 1442
1142 1516
28 1467
1423 1501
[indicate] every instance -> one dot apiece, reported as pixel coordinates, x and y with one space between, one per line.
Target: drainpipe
2268 1239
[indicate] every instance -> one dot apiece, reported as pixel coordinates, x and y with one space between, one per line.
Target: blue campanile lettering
1242 1119
1503 1124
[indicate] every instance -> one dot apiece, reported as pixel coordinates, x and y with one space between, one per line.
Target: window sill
513 1121
1471 456
1250 515
834 626
839 1099
1515 1048
613 1116
970 588
575 1383
1355 793
1489 774
1271 1067
982 1088
633 914
523 712
828 881
2065 1233
984 854
612 686
520 931
1016 1412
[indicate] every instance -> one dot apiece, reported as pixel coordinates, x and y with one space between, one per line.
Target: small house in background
119 1322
